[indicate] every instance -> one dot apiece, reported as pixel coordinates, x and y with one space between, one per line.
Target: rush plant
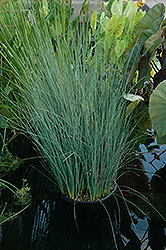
72 108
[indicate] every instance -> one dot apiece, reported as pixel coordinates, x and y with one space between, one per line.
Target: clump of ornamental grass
71 105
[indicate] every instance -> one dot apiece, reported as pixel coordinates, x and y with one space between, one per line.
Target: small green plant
5 216
23 196
9 163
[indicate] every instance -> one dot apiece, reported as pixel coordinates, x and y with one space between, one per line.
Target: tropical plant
157 99
115 28
150 34
75 111
121 25
150 30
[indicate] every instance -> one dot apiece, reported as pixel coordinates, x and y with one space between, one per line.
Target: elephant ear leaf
151 22
111 26
132 10
154 41
157 109
117 7
161 140
115 26
120 47
93 21
120 26
144 71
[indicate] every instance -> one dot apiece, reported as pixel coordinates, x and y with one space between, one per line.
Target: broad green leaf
104 23
115 26
112 24
139 16
153 42
161 140
120 46
133 23
127 7
151 22
133 9
157 109
144 121
109 5
152 30
155 13
102 16
117 7
120 26
131 107
110 41
135 100
144 71
163 25
93 21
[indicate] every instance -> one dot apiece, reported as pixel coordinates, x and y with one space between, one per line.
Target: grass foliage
71 104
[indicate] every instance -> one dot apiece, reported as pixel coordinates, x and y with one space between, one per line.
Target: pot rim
66 198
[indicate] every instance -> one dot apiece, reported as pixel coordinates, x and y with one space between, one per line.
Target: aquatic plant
73 109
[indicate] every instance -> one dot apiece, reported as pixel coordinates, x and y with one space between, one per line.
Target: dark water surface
51 223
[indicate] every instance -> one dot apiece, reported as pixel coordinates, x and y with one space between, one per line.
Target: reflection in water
52 223
41 220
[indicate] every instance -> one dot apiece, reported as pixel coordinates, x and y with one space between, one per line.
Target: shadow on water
51 223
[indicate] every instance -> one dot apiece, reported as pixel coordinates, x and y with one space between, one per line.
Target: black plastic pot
87 217
66 198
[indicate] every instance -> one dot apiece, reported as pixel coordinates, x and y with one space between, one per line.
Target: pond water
126 221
